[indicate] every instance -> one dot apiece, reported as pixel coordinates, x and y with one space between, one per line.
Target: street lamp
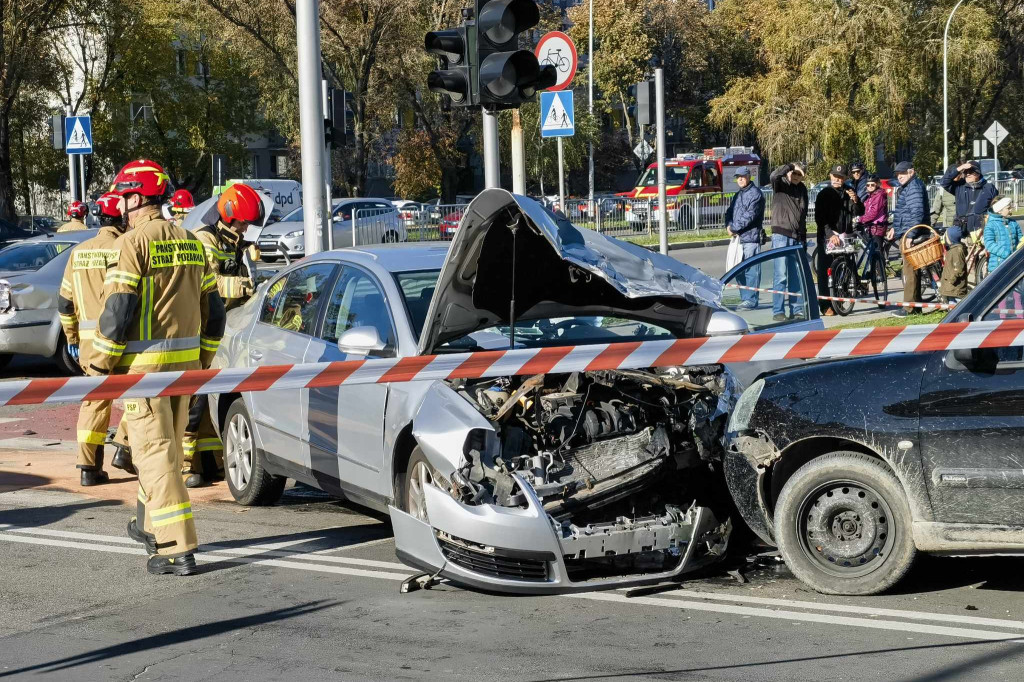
945 88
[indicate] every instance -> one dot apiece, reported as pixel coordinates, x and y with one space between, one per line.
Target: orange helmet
107 206
144 177
240 202
182 201
76 209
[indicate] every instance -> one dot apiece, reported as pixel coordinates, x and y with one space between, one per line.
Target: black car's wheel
64 360
248 480
843 525
418 475
843 284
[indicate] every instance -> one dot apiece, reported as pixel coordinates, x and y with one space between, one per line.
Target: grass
927 318
674 238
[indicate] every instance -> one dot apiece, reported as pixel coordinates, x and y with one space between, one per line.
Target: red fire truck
709 173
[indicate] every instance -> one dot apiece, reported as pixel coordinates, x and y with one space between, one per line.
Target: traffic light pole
492 174
518 155
311 125
659 102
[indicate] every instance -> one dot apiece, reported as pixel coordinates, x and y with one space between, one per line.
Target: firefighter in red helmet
232 260
161 312
179 206
76 214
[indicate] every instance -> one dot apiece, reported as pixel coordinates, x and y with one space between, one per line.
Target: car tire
67 364
248 479
391 237
843 525
5 359
417 473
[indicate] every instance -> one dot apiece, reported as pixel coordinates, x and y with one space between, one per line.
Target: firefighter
180 205
229 256
76 215
161 313
79 307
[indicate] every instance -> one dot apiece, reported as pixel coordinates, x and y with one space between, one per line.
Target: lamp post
945 88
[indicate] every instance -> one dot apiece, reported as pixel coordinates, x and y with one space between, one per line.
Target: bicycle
559 62
849 276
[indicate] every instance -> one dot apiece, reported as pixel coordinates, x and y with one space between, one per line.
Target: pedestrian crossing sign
558 117
78 134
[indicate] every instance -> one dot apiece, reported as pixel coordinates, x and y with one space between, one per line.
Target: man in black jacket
789 227
834 210
859 179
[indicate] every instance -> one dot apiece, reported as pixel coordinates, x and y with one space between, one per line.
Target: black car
853 466
10 233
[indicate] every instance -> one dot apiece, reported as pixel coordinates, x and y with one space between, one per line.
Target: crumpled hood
560 271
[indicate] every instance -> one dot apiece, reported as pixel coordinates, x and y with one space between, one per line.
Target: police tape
806 345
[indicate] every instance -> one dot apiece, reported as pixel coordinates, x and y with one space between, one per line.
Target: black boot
94 476
197 481
141 536
123 458
179 565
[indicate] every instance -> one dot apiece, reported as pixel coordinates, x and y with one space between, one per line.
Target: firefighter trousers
155 429
204 453
93 422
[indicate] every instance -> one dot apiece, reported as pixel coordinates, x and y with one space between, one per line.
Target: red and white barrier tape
529 361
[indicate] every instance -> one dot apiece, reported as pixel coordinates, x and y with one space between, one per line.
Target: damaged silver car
543 483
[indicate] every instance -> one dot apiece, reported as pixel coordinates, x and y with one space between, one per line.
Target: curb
680 246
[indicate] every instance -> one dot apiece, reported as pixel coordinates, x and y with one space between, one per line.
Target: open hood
559 271
206 213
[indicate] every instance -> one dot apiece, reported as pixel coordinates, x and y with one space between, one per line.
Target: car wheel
391 237
5 359
64 360
248 480
843 525
418 475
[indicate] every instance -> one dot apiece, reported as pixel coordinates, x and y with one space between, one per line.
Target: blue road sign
78 134
557 117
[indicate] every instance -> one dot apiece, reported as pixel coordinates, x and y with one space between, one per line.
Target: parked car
11 233
515 483
38 223
412 213
30 276
852 467
449 224
377 222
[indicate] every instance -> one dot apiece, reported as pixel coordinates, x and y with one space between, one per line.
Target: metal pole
81 172
72 175
518 155
659 100
945 88
561 178
328 177
492 172
311 125
590 110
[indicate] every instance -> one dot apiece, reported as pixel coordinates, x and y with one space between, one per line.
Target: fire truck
694 186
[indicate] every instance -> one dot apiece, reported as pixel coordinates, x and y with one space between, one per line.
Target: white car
376 219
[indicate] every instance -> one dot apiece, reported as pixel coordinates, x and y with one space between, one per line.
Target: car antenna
513 225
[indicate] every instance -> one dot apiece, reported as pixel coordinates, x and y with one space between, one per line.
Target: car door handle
256 355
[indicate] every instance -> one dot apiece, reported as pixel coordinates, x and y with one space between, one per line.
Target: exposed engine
616 458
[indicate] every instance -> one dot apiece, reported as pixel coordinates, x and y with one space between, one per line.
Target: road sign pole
316 217
81 174
492 173
590 110
659 95
518 155
561 177
72 175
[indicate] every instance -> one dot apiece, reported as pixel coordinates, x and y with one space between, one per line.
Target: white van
287 194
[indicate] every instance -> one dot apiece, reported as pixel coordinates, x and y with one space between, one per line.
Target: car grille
268 247
494 562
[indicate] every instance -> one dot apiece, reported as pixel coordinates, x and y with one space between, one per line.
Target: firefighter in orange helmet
161 312
230 256
76 214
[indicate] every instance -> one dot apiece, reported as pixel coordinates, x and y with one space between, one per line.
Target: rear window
30 255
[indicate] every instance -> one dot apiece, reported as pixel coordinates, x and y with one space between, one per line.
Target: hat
975 168
874 178
838 170
742 172
857 165
904 166
797 168
1001 204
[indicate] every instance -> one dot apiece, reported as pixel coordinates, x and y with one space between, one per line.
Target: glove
73 350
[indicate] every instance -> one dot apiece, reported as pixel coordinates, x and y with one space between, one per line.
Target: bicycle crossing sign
558 117
557 49
78 134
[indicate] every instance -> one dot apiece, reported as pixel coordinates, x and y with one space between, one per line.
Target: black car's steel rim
846 528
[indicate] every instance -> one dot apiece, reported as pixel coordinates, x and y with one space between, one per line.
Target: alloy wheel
239 448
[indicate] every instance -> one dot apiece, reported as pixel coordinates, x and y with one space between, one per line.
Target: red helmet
240 202
144 177
107 206
182 201
76 209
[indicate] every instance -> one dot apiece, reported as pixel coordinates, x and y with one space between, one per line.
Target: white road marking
8 420
798 617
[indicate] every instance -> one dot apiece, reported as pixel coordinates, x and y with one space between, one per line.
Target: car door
787 267
346 423
288 318
972 427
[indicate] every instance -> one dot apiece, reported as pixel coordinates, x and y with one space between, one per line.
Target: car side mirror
360 341
966 356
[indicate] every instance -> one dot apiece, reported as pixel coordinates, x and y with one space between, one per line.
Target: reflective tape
173 514
122 277
92 437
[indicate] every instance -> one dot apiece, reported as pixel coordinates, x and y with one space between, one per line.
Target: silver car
30 276
376 221
548 483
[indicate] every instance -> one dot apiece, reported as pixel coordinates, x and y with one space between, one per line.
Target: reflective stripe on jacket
81 290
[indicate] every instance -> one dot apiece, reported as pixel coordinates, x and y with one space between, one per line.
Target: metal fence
382 225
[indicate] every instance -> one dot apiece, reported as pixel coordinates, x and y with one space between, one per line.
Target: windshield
417 290
30 255
674 175
561 331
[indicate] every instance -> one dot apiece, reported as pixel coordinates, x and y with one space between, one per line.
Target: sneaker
903 312
142 537
779 317
829 313
746 305
167 565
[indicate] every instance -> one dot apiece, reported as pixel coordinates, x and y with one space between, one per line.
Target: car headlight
741 414
294 233
5 297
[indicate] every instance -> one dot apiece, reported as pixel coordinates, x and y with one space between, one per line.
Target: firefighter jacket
79 302
234 282
73 225
161 308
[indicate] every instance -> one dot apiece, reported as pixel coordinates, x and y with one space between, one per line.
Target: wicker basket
924 254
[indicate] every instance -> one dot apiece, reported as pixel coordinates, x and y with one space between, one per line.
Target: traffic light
455 48
644 108
508 76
